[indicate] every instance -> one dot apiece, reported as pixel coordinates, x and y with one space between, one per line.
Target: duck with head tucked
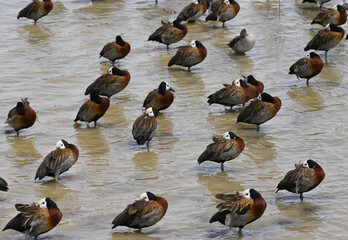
307 67
188 56
160 98
329 15
36 10
224 11
142 213
326 39
35 219
58 161
22 116
93 109
115 50
306 176
223 149
193 11
169 33
260 110
145 127
239 209
113 82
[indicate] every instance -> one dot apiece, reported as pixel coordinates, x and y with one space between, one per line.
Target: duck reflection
220 182
224 121
93 144
242 61
135 235
307 97
56 190
299 214
23 151
146 161
165 136
259 147
36 34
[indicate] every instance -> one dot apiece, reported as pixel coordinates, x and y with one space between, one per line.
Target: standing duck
223 149
329 15
260 111
142 213
239 209
36 10
224 11
22 116
193 11
230 95
33 219
306 176
326 39
115 50
3 185
160 98
242 43
168 33
145 126
93 109
114 81
307 67
58 161
188 56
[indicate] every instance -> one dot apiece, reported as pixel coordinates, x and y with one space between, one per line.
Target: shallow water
54 61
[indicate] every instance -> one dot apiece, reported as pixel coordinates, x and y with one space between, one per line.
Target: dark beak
171 89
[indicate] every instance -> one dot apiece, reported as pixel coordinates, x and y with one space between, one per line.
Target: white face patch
305 164
195 1
149 112
60 145
110 70
226 135
226 1
42 203
167 86
144 196
193 43
236 83
246 193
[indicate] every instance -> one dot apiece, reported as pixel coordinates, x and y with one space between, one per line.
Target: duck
326 39
223 149
36 10
115 50
160 98
193 11
256 87
239 209
231 94
58 161
113 82
242 43
306 176
224 11
307 67
35 219
145 127
329 15
145 212
93 109
260 110
3 185
169 33
22 116
319 2
188 56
